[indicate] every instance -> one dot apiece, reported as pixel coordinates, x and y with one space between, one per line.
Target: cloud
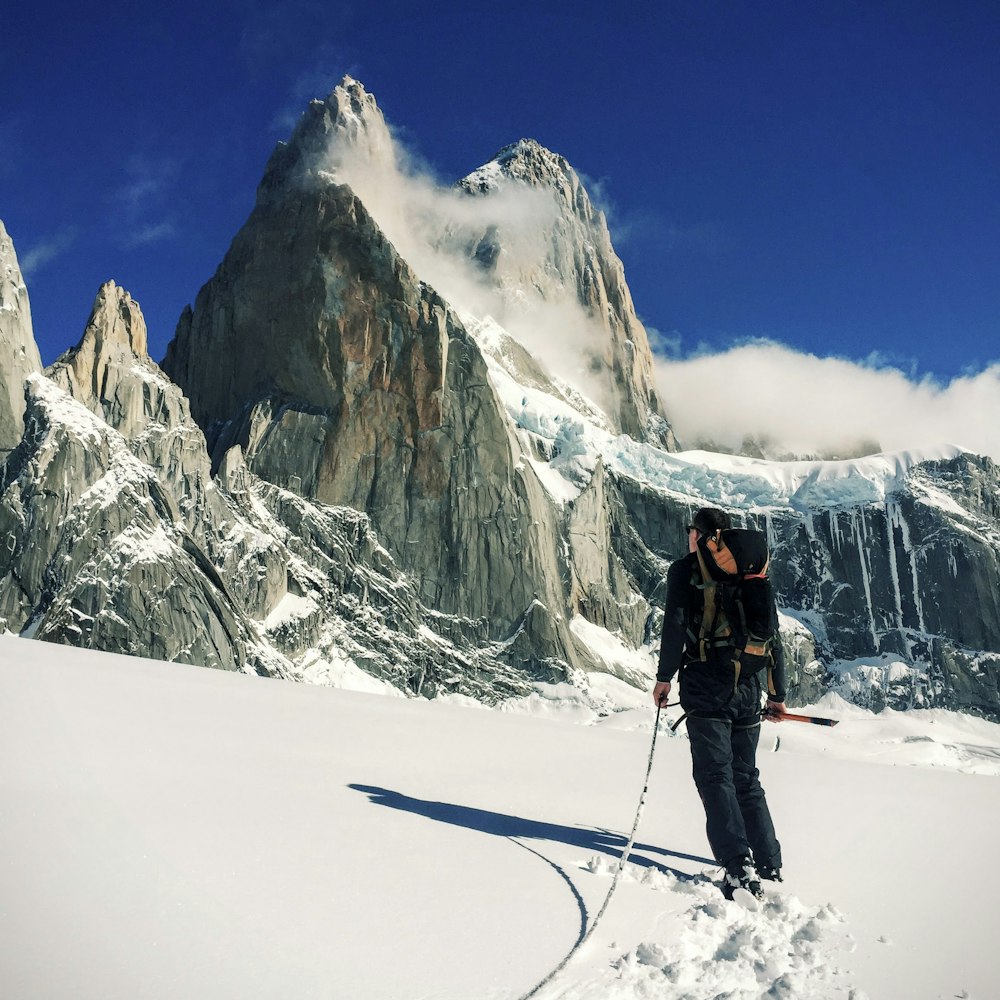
150 234
141 200
148 180
47 251
669 345
315 82
803 404
438 230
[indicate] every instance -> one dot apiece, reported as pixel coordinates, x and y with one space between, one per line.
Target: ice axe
816 720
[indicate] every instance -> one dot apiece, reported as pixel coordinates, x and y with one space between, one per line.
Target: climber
720 634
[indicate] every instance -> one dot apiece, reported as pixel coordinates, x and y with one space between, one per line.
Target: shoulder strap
710 611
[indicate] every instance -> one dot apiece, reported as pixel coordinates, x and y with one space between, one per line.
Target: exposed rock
95 554
374 397
18 352
913 579
347 603
111 374
599 577
805 675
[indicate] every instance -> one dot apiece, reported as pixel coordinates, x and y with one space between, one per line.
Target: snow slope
169 831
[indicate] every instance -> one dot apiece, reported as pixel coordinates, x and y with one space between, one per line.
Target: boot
769 873
741 874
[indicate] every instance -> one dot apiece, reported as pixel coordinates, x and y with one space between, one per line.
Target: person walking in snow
720 670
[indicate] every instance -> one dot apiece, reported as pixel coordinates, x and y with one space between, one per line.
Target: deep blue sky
824 174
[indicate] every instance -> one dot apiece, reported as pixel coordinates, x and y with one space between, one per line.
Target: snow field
169 831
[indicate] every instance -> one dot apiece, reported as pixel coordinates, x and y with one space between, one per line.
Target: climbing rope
614 882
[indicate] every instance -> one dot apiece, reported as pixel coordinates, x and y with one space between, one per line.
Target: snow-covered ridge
702 476
801 485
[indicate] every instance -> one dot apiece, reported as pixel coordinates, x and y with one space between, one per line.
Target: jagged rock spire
349 119
116 325
98 371
18 352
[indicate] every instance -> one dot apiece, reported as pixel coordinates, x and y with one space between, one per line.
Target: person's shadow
502 825
517 829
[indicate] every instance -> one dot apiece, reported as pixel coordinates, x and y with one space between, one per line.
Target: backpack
738 602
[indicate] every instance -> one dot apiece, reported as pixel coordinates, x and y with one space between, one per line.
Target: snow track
699 945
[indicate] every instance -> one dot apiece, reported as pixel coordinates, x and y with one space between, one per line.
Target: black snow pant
723 756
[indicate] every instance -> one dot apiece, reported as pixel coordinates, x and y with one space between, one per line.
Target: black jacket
705 686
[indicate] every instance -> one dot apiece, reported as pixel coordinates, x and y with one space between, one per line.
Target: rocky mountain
17 345
119 538
376 397
99 551
363 462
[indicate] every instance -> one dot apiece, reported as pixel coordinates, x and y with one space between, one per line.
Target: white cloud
148 182
804 404
316 81
149 234
141 201
47 251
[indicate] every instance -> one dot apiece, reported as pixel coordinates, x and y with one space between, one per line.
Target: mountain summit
348 119
576 261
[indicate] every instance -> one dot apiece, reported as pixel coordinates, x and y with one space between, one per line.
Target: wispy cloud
48 250
142 200
150 234
315 82
668 345
804 404
626 225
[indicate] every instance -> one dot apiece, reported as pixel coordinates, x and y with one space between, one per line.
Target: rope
614 882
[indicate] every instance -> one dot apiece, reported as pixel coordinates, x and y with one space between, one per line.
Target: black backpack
737 606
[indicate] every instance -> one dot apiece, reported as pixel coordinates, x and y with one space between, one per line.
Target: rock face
110 373
572 257
105 504
94 553
914 578
18 352
118 538
375 397
907 579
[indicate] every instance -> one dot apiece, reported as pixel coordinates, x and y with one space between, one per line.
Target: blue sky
823 175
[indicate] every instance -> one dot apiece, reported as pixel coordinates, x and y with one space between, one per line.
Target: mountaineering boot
769 873
741 875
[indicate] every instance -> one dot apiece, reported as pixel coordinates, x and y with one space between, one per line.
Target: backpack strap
710 633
